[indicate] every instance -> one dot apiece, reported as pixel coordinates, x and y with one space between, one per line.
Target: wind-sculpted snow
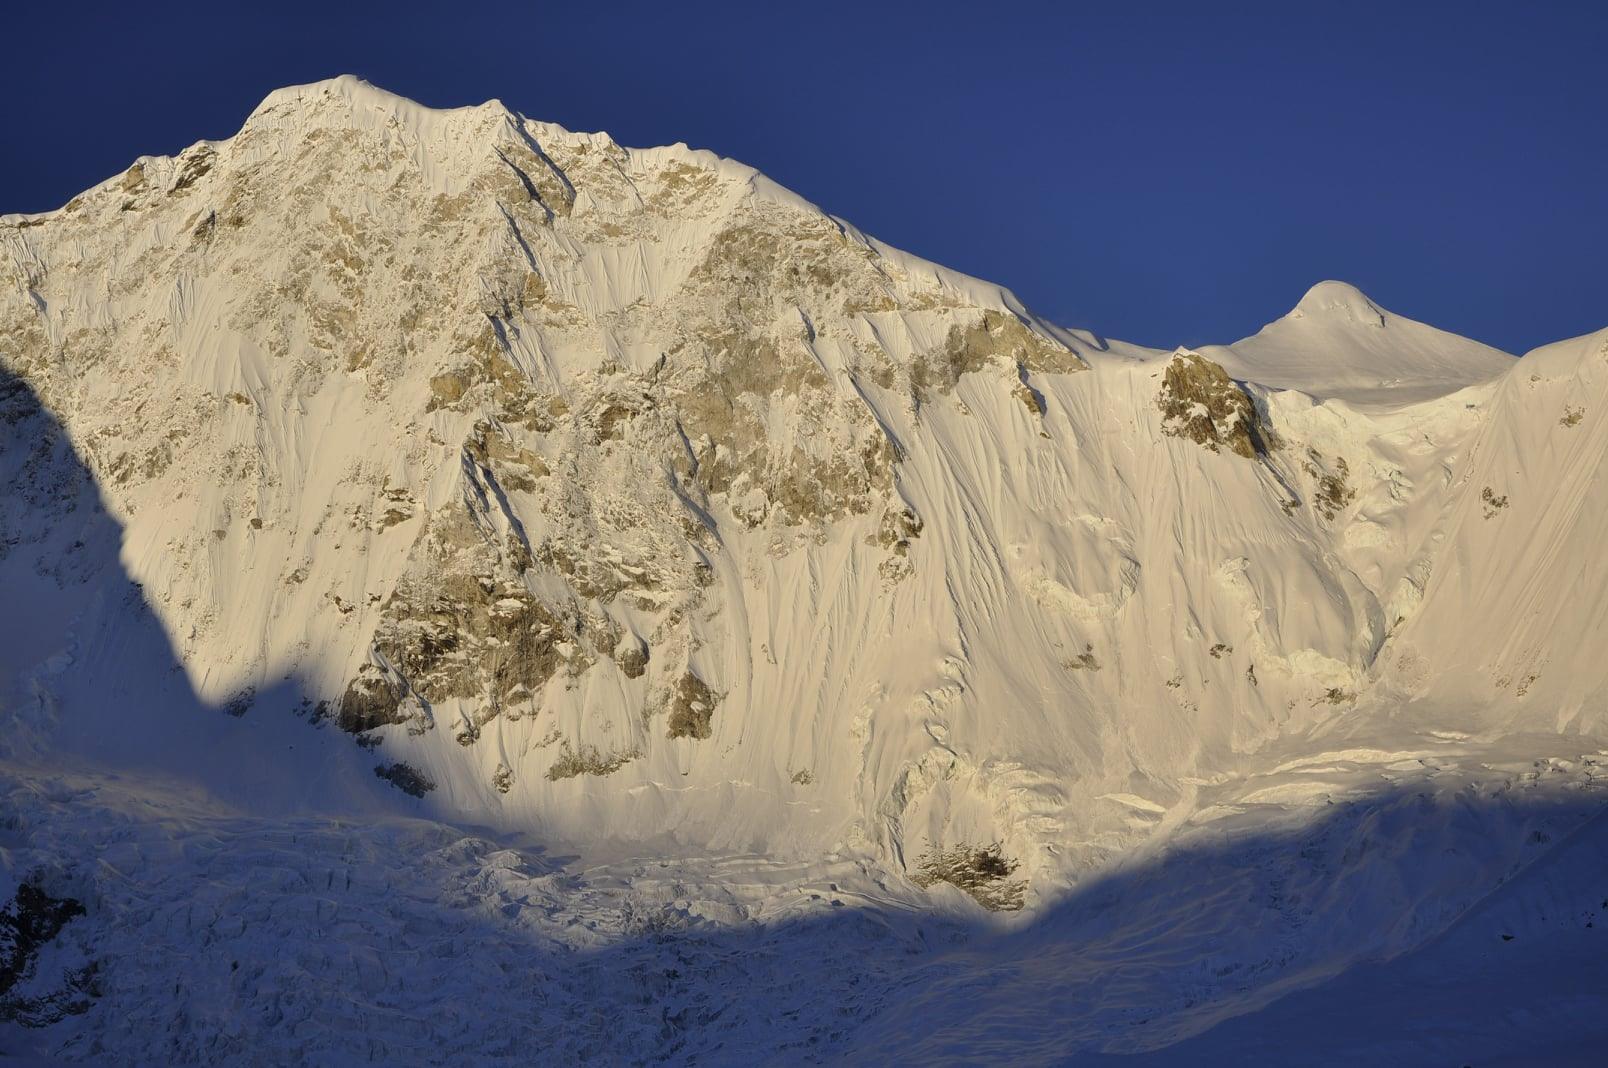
381 472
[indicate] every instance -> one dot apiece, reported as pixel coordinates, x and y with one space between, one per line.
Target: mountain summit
392 488
1339 300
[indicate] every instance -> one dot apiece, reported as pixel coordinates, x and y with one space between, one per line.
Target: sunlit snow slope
385 463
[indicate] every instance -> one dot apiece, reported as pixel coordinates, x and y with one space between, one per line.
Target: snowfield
223 937
471 592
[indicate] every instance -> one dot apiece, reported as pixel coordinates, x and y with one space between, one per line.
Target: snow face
382 472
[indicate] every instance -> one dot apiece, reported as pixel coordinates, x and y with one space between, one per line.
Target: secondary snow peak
1338 344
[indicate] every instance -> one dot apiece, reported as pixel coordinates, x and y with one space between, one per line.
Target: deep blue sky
1152 171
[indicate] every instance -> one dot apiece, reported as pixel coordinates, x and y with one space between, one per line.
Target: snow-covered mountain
381 473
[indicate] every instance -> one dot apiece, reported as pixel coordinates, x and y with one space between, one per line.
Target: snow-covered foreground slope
601 558
1521 979
217 936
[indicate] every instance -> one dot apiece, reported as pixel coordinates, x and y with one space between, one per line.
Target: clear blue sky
1158 172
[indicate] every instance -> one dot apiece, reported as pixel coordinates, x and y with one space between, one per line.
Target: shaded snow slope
383 468
1520 979
220 936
